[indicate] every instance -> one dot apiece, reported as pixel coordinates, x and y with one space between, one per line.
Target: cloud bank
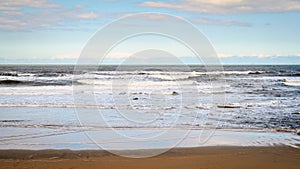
227 6
38 14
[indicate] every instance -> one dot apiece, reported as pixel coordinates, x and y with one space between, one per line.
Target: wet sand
188 158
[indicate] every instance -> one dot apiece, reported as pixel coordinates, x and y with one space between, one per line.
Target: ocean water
147 97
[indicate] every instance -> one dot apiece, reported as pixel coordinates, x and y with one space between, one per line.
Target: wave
257 72
40 78
86 106
196 107
8 74
11 121
289 74
296 74
50 75
13 82
288 82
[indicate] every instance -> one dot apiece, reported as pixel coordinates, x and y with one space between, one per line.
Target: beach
183 84
181 158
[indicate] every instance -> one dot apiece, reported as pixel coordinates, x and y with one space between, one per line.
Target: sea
42 101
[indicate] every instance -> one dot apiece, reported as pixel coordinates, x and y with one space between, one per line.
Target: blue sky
241 31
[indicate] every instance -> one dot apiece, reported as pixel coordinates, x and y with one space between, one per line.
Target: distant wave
257 72
295 74
50 75
7 82
12 82
8 74
38 74
289 74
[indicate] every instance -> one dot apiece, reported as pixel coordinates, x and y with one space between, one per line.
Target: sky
241 31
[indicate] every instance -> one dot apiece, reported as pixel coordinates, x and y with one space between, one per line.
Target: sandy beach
204 157
149 84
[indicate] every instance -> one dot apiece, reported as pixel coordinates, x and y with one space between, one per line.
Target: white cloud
13 17
217 2
19 4
223 55
90 15
202 21
24 21
228 6
206 21
19 20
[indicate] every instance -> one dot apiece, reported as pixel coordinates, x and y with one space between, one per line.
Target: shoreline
199 157
27 154
47 138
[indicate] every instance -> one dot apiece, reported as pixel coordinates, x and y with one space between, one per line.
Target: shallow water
51 138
